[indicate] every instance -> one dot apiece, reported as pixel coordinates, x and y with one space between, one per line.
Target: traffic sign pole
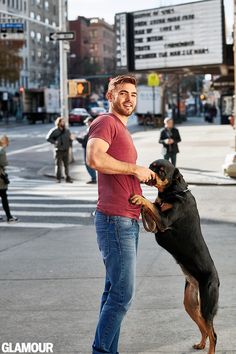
63 64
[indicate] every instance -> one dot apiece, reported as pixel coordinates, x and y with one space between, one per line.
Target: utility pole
235 74
63 48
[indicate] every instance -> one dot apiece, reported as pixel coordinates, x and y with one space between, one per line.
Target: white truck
40 104
149 106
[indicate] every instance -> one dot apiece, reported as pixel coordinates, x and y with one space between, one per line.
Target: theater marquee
172 37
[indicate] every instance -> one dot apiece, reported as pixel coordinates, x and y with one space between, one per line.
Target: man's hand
171 141
144 174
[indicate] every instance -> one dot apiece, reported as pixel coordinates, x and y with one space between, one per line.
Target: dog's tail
209 296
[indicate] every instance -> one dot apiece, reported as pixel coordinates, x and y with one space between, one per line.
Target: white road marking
38 225
56 206
52 213
30 148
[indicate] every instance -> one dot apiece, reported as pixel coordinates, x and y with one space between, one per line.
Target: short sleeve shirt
115 190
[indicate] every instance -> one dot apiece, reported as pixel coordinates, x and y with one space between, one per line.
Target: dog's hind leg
192 307
212 338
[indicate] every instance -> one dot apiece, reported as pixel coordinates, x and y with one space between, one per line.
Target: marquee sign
174 36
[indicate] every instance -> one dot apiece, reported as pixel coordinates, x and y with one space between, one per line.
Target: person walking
83 141
169 138
61 138
110 150
4 181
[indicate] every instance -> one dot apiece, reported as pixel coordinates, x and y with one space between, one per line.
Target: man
83 141
4 181
61 138
170 138
111 152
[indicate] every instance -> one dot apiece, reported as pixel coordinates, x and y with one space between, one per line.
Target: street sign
153 79
11 27
12 31
62 36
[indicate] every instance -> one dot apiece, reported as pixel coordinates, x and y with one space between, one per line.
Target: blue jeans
117 239
171 156
90 170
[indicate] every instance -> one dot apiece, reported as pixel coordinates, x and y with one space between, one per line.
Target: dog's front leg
150 214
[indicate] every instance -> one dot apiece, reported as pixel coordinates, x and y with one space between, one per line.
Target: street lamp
234 74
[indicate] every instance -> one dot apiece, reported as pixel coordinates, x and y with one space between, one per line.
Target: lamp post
235 74
63 49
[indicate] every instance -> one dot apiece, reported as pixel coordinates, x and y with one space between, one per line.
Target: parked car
78 115
97 111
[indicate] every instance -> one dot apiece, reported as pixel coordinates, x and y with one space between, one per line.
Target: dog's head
166 175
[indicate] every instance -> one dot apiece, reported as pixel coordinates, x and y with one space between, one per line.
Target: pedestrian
62 139
169 138
4 181
83 141
110 150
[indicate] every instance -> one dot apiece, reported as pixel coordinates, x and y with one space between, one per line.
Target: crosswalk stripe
47 204
56 206
37 225
52 213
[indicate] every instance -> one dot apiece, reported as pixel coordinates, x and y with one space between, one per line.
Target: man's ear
109 96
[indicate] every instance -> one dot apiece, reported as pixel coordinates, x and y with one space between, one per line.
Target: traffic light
79 88
202 97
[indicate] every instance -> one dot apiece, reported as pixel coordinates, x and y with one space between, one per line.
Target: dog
174 219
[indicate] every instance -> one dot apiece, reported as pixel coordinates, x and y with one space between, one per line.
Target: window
32 15
38 17
46 5
39 36
93 33
39 54
47 39
32 34
47 21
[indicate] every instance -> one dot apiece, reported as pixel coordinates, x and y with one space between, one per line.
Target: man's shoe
58 180
1 219
91 182
69 180
12 220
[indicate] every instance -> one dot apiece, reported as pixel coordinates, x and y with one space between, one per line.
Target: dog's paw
137 200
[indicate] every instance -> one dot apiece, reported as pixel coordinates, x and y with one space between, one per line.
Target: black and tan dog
174 219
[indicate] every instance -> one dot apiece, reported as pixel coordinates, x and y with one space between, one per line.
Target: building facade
93 51
40 56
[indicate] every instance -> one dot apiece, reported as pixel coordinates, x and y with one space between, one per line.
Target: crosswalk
42 203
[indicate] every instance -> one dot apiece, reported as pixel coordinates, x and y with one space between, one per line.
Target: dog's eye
162 172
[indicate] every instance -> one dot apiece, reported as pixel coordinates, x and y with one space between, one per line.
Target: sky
108 8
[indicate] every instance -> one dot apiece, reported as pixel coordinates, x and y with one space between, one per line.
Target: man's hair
121 79
58 121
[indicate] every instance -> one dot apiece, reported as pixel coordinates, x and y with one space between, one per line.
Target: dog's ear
177 175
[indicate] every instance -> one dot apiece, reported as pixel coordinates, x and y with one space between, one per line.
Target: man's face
170 123
123 99
62 124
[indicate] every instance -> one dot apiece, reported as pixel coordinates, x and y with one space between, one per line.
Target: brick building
93 51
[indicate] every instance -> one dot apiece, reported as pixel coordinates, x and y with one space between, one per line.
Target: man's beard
121 110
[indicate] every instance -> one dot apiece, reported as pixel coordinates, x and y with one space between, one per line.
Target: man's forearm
108 165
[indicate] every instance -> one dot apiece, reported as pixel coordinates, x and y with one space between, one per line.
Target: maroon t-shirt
115 190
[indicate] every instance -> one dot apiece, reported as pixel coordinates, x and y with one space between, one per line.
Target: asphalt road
51 273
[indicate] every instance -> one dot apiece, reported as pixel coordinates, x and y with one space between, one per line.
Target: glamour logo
27 348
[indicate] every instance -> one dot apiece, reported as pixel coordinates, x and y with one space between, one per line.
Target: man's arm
163 139
98 158
178 138
51 138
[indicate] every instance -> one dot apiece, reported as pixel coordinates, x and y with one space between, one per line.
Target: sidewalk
202 152
51 283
